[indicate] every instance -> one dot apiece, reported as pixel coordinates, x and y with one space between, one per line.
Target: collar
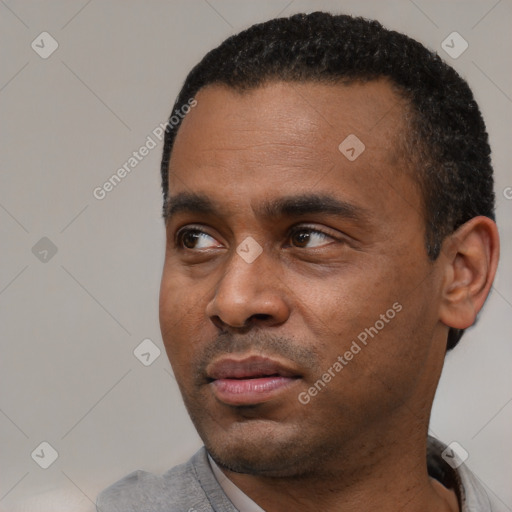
239 499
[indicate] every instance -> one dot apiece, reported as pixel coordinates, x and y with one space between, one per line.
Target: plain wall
70 323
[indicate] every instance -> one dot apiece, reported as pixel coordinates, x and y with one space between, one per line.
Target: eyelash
181 234
298 229
294 230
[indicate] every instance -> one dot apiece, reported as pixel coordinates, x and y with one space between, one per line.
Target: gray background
70 322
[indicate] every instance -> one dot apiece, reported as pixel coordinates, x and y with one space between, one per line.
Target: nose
249 294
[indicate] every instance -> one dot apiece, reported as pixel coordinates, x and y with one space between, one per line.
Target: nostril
261 316
217 321
225 327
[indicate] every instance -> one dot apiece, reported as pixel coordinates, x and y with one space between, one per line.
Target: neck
385 475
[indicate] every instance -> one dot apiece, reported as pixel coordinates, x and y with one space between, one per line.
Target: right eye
194 239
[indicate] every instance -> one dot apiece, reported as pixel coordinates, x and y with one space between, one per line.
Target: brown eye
195 239
300 238
303 236
189 239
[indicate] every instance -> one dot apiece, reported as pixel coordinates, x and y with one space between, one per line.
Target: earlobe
471 257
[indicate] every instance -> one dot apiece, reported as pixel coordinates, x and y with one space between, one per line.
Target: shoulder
447 466
476 497
179 490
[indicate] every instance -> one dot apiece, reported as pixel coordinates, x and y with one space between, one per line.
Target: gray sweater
192 487
189 487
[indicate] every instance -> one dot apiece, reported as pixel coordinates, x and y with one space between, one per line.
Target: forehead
292 136
372 108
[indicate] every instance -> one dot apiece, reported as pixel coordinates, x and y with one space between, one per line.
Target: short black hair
447 141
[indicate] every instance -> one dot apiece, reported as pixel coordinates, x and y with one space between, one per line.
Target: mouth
249 381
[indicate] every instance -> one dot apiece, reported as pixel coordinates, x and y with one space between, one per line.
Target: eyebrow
287 206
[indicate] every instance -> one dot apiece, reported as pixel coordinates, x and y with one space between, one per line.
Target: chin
257 447
264 440
243 459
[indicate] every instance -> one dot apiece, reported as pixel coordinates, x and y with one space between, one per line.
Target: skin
360 443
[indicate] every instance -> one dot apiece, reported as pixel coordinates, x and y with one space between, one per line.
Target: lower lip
250 391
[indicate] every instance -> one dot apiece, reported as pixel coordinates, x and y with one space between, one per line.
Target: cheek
178 295
388 340
183 322
346 301
175 313
349 305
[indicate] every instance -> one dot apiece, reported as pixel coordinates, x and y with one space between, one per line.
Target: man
329 209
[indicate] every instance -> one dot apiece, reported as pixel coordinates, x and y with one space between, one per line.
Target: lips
250 380
250 367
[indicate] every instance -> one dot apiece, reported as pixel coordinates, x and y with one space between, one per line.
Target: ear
470 258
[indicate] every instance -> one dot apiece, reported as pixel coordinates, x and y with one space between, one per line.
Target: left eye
304 236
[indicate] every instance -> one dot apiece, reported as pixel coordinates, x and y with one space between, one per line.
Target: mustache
263 343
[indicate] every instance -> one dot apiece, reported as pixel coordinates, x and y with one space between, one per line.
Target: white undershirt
239 499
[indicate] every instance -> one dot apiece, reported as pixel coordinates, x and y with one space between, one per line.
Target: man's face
294 251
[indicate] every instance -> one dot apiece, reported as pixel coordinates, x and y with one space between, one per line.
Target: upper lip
248 367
